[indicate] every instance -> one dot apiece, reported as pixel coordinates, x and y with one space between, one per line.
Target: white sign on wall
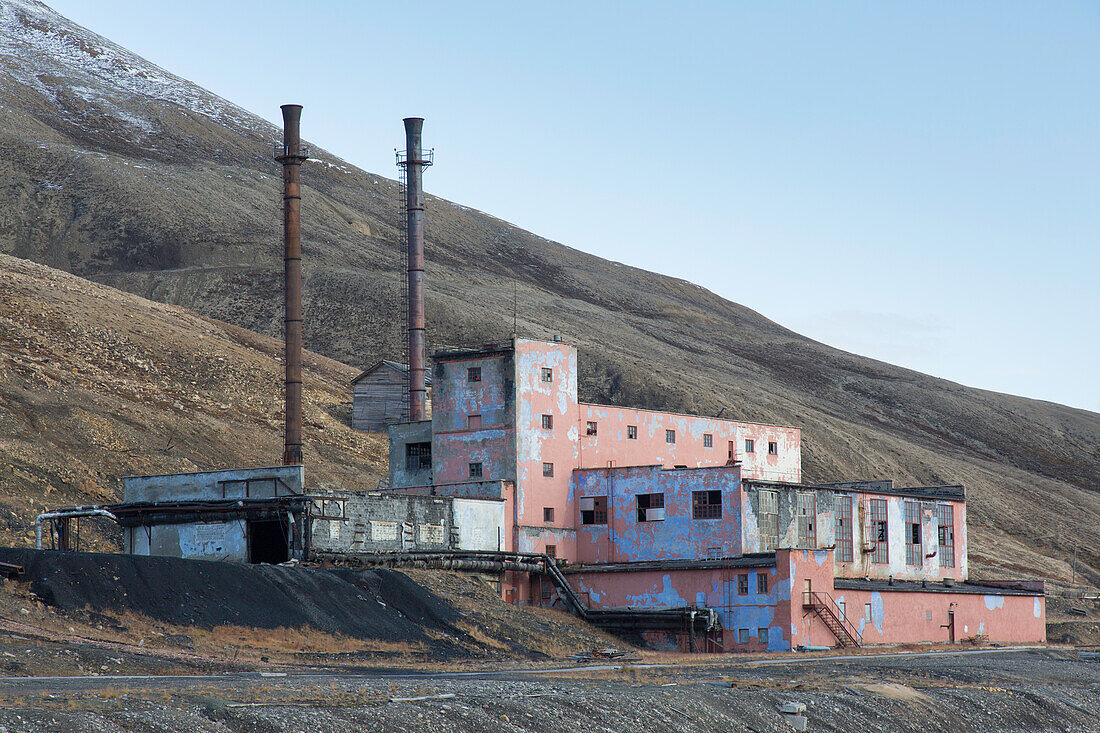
383 531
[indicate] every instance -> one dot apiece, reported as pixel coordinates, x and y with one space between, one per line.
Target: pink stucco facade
660 509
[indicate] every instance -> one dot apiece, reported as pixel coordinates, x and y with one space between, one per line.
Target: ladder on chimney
823 605
403 320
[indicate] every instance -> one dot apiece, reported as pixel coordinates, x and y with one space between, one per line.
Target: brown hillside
96 384
118 171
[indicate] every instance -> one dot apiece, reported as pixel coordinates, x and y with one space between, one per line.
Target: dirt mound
372 604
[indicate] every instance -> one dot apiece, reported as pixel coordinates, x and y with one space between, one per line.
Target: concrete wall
197 541
678 535
906 615
210 484
827 503
401 435
391 522
612 446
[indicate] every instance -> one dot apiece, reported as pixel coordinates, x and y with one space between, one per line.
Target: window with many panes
762 634
593 510
473 374
761 581
945 531
806 518
547 422
769 520
551 550
708 440
880 532
547 374
706 505
914 552
548 469
750 446
843 535
651 507
418 456
631 432
670 436
475 470
743 584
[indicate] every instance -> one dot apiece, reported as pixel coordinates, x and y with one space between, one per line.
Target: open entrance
267 542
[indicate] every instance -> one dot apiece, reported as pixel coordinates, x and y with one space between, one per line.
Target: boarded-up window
473 422
945 519
880 532
651 507
806 517
431 534
769 520
762 635
593 510
843 529
742 636
383 531
706 505
418 456
913 550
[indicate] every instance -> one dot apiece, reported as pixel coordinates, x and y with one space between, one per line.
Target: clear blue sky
916 182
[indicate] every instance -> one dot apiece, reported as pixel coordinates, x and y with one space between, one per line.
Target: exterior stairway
826 609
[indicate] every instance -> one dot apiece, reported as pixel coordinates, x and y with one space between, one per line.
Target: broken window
945 531
670 436
708 440
548 514
547 422
761 581
773 448
418 456
473 374
631 432
548 469
590 428
651 507
750 446
762 634
593 510
473 422
743 584
742 636
807 521
843 536
880 532
914 553
547 374
475 470
706 504
769 520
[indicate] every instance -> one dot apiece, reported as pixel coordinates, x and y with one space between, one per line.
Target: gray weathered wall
208 484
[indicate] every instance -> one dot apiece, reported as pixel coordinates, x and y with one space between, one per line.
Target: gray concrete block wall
203 485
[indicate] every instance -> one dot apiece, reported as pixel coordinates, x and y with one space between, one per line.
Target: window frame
631 432
417 452
703 505
591 427
547 374
769 520
761 582
843 534
597 514
945 534
914 551
548 514
473 374
742 584
473 422
477 469
750 445
708 440
547 469
880 531
773 448
547 421
670 436
654 500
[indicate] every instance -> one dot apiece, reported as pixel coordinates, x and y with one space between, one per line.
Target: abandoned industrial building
689 532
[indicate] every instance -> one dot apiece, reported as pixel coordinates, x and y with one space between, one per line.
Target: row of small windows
592 428
743 583
651 507
473 374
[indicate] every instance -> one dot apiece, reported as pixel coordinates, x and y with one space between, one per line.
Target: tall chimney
414 208
291 156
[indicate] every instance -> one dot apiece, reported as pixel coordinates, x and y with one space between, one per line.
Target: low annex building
660 510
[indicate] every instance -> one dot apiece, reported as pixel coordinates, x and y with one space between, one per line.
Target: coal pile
368 604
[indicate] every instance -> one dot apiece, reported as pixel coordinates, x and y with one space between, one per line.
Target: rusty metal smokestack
414 208
291 156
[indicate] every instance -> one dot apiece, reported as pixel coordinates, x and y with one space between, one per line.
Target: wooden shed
380 396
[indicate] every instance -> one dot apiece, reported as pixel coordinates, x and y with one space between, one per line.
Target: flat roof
955 492
749 560
1000 588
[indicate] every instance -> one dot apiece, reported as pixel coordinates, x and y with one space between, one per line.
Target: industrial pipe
414 210
292 157
67 514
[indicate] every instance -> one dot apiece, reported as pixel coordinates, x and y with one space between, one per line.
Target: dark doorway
267 542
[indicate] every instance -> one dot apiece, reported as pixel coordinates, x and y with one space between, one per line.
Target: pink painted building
653 509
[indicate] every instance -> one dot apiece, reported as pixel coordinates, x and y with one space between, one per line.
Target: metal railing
279 151
823 602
